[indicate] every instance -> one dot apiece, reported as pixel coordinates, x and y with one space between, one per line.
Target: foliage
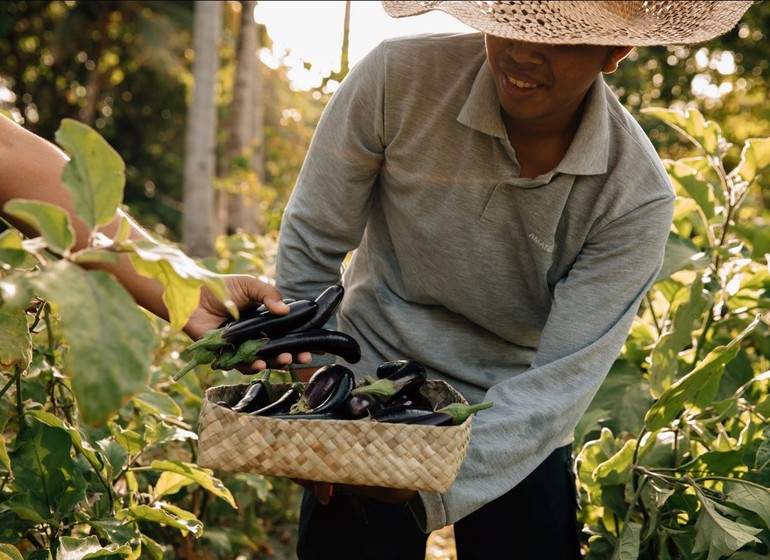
675 461
98 449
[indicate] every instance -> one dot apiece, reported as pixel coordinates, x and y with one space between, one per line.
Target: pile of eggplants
331 394
260 334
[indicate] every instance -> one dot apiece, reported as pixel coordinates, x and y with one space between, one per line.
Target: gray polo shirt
516 291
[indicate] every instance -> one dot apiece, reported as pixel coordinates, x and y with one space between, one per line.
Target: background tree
198 222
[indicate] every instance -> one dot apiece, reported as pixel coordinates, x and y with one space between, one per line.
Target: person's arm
31 168
329 207
536 412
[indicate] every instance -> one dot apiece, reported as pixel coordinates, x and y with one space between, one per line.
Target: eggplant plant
674 461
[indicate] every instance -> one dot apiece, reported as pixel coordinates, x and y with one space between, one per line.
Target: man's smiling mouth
521 83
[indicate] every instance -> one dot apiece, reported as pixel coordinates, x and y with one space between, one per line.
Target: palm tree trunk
198 219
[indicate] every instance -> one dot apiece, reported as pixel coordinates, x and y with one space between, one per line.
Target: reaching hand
243 290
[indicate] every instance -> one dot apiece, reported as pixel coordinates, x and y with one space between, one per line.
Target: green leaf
750 497
15 340
627 547
718 535
692 125
111 341
617 469
698 387
160 404
71 548
755 159
170 483
664 360
49 220
129 440
95 174
8 552
164 514
685 178
12 251
77 439
203 477
43 467
181 277
681 254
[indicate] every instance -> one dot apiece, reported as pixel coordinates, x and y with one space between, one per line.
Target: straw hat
627 23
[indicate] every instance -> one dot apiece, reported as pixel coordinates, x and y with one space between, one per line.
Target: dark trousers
535 520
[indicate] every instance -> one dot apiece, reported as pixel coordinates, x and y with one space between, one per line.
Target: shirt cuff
428 510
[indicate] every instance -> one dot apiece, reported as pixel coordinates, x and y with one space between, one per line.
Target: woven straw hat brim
626 23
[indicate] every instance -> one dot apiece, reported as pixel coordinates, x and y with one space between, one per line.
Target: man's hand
323 491
243 290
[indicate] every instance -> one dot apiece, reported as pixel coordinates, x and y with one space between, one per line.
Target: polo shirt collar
589 152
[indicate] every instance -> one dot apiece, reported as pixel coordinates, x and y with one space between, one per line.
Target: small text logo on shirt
545 246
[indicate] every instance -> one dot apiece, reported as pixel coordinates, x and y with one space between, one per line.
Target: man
506 216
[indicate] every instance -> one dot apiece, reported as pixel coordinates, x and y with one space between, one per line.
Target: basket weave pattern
341 451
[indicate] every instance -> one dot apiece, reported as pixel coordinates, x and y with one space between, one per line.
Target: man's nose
525 53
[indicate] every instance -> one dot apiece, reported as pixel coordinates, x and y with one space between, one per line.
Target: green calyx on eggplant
404 377
326 391
451 415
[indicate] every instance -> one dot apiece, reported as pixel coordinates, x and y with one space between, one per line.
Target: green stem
11 381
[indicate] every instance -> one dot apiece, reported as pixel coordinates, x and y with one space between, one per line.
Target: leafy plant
675 461
97 457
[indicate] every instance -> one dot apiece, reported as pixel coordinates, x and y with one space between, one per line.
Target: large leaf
617 469
698 387
49 220
12 251
203 477
43 467
627 547
71 548
755 159
15 341
95 174
77 439
8 552
690 123
160 404
664 360
687 179
181 277
718 535
681 254
110 339
164 514
750 497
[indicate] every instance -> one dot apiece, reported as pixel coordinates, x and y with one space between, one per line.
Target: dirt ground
441 545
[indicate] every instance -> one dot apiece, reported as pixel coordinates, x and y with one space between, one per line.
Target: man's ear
613 59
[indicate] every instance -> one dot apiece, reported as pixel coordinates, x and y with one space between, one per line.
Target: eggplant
398 413
310 416
407 379
362 405
314 340
270 325
327 303
282 404
386 369
326 391
257 396
450 415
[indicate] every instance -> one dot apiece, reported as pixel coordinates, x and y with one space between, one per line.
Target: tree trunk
237 208
198 220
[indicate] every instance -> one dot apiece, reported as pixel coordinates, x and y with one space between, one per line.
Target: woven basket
341 451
